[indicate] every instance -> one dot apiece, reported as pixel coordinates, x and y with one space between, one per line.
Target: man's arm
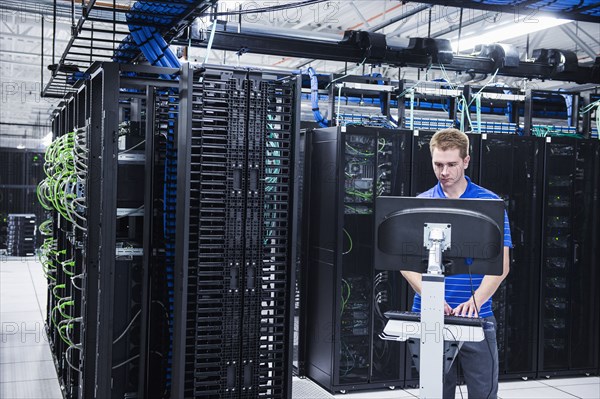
415 279
488 287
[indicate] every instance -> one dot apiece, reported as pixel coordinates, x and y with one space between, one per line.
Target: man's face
448 166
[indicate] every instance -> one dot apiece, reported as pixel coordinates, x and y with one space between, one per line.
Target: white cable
125 362
127 328
210 41
412 109
339 104
132 148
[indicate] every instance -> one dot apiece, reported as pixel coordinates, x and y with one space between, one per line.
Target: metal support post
92 244
145 325
107 229
333 93
586 128
575 111
431 379
401 103
183 141
528 113
464 117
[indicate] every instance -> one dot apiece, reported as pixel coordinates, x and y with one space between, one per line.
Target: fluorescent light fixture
494 34
47 140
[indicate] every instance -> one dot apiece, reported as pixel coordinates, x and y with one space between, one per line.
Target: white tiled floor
584 387
26 365
27 369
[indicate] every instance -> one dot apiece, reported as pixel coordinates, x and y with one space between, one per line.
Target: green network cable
360 194
64 167
358 152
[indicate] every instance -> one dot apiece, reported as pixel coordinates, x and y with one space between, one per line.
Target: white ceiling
25 114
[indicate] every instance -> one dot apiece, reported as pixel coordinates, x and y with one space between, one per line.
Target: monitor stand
437 341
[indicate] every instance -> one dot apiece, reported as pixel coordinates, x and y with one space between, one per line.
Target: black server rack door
348 169
511 167
375 163
359 150
557 261
473 170
422 177
399 156
584 310
321 274
389 287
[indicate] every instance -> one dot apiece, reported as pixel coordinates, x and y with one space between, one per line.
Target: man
479 360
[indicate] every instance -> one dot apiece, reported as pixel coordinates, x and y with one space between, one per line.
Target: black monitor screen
477 233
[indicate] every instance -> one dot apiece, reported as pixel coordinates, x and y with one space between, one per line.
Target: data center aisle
563 388
27 369
26 365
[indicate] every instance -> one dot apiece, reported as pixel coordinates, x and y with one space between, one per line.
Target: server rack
100 256
236 212
512 167
21 171
568 323
20 237
344 296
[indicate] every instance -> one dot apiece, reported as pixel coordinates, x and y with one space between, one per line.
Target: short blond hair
449 139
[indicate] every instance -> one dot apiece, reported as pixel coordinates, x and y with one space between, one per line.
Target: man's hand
467 308
488 287
447 308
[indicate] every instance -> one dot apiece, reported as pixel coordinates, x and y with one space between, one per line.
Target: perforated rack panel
239 273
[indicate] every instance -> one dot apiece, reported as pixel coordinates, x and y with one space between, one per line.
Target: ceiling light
21 147
505 32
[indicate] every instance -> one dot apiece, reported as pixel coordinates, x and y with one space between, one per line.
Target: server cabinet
345 297
512 167
21 171
422 176
235 256
20 237
568 325
97 261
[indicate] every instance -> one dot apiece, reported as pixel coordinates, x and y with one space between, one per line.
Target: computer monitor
477 234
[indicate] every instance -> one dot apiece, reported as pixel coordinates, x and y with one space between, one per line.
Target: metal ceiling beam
592 38
29 38
453 28
520 10
573 36
23 124
62 11
23 53
400 17
362 17
391 21
371 48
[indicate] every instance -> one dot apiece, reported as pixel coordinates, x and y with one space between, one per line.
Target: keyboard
448 319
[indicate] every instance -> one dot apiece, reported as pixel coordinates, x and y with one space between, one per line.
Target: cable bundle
314 98
65 167
148 38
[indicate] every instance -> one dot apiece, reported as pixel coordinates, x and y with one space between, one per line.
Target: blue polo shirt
458 286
